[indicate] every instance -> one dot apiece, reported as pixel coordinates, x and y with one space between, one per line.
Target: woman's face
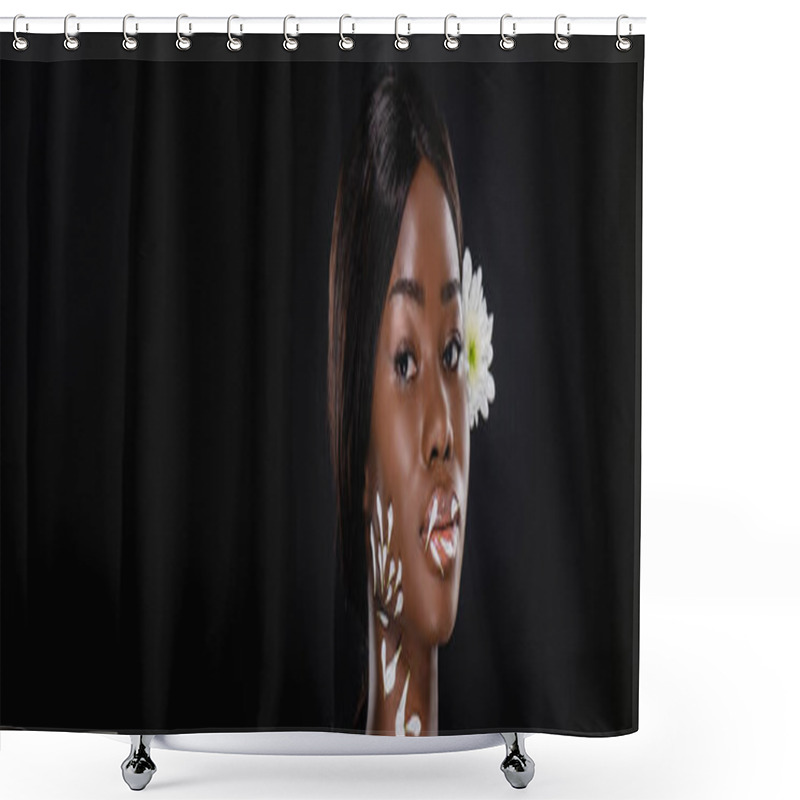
418 456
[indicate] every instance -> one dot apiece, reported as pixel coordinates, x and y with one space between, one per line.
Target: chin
438 623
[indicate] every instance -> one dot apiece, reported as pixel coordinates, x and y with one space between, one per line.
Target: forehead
426 246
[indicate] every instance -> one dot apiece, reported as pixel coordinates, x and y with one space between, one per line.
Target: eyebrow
413 289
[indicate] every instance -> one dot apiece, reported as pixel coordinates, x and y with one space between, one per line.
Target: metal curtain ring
129 42
561 43
346 42
289 43
451 42
507 42
70 42
401 42
20 42
623 44
234 43
182 42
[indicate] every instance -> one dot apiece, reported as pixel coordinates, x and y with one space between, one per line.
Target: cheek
396 442
460 422
396 438
404 442
394 446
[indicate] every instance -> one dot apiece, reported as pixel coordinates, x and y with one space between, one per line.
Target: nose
437 439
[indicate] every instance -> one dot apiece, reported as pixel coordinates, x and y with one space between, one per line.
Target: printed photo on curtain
320 385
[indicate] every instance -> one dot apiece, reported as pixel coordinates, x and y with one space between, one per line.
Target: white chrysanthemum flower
478 342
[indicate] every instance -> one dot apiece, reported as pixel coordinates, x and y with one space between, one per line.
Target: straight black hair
399 125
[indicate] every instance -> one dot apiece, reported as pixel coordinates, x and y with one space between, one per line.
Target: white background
720 604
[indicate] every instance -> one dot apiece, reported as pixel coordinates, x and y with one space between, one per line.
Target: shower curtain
320 386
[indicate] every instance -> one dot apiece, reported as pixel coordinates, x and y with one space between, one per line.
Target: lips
440 531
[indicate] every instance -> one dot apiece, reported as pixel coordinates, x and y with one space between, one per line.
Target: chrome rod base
517 766
138 768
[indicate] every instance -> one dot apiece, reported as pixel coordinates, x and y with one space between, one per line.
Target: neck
410 707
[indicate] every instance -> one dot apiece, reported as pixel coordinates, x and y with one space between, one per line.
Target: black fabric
168 509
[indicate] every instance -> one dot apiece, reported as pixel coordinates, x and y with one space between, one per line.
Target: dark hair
399 125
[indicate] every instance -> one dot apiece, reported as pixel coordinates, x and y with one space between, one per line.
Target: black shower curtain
169 556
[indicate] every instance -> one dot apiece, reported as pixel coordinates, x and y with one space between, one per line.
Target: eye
452 353
405 366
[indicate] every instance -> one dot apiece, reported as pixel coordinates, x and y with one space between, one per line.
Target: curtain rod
297 25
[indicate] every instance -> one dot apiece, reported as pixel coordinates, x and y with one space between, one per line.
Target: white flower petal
374 562
399 720
478 329
390 669
435 554
489 386
432 521
380 515
449 548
